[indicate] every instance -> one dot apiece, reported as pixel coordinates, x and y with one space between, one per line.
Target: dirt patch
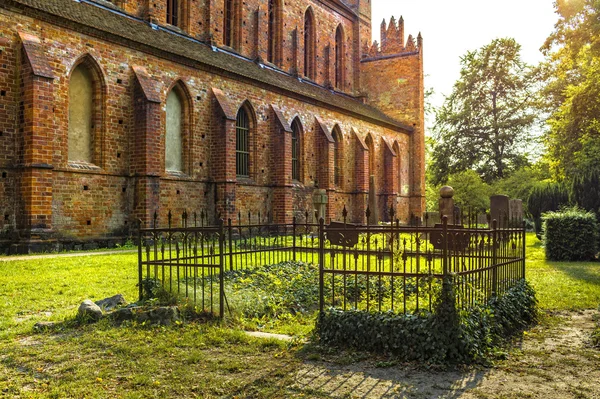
29 341
552 361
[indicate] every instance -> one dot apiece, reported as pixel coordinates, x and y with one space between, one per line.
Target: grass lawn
562 285
189 360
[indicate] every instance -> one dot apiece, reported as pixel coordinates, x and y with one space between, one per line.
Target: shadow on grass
332 372
588 272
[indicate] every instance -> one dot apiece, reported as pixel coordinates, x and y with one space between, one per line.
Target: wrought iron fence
401 268
383 267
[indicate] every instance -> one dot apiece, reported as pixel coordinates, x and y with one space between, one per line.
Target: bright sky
451 28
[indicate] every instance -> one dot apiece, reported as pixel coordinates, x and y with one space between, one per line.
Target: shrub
585 192
271 291
570 235
550 197
445 336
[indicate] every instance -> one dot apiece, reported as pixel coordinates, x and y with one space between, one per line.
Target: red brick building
110 111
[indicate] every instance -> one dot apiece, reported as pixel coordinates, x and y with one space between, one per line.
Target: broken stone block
88 310
112 302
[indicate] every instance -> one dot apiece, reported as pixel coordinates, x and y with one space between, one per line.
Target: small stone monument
446 203
499 210
373 203
432 218
320 200
515 211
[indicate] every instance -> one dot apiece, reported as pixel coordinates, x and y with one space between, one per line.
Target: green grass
562 285
189 360
53 288
101 361
133 361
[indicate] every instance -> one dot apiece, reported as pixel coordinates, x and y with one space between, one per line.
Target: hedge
550 197
444 336
570 235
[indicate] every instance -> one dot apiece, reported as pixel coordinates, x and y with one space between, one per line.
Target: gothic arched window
296 150
85 113
173 12
339 58
336 134
228 22
242 144
274 32
310 44
174 132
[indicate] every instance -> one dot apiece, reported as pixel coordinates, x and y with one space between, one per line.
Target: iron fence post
294 238
445 247
524 248
494 257
230 230
140 268
321 264
221 270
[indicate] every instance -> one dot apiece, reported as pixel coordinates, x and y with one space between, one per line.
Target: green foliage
521 183
154 292
547 198
272 291
445 336
513 311
585 192
470 192
572 88
484 125
570 235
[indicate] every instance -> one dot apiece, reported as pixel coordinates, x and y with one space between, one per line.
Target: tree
470 192
546 198
484 124
521 182
585 192
572 77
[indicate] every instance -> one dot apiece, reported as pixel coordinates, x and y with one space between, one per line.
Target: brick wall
203 19
129 181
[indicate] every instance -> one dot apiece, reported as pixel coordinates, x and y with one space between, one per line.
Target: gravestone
320 203
515 207
432 218
499 210
482 219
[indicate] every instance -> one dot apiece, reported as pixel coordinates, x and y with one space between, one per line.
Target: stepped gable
392 41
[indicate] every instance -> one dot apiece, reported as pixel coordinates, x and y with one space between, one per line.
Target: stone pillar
361 177
283 196
446 203
146 158
373 203
390 180
499 210
225 173
224 156
38 137
320 200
